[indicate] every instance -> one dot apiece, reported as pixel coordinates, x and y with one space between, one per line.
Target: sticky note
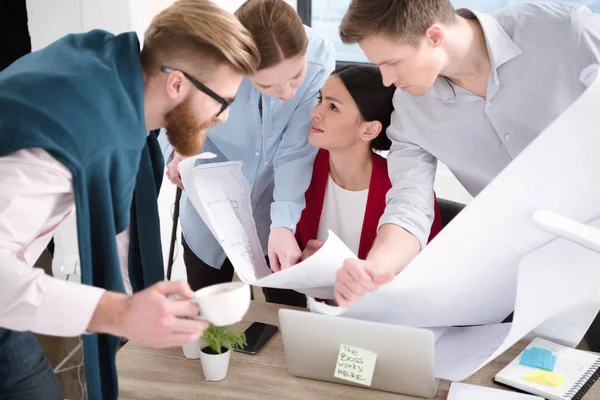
545 378
538 358
355 365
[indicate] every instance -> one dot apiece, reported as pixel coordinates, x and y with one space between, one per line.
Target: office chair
448 210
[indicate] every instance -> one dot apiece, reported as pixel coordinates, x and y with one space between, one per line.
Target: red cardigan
380 184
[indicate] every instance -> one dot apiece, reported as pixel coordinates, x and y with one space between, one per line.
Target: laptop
404 356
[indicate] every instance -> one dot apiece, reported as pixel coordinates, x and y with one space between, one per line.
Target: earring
364 138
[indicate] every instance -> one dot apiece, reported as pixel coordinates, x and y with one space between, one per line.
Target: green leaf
218 336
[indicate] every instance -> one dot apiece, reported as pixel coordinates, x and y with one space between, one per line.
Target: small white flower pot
214 366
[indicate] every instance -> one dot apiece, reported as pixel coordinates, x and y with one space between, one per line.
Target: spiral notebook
577 371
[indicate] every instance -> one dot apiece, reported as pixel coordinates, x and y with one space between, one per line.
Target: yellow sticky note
545 378
355 365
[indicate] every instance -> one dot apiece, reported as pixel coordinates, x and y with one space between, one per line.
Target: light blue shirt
277 159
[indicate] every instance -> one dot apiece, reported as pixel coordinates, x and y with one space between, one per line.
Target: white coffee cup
223 304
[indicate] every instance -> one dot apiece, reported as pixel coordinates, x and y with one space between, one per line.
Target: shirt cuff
66 308
283 216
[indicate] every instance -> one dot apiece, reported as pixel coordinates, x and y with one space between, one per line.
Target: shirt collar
247 91
501 49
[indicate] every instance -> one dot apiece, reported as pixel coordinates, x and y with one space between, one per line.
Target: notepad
575 372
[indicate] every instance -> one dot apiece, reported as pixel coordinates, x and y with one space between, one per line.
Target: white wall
232 5
50 20
154 6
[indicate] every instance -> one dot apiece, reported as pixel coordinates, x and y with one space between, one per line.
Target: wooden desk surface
167 374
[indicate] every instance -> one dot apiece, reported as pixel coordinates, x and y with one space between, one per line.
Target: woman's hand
311 248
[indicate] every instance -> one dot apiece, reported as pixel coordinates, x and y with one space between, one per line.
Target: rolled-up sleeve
412 172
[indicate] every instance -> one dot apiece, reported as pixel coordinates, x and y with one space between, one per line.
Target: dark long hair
373 99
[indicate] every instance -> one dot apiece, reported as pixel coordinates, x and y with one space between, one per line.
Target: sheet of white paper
322 308
186 172
314 276
553 281
461 351
558 296
467 274
221 195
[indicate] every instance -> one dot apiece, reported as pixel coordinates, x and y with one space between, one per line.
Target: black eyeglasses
224 103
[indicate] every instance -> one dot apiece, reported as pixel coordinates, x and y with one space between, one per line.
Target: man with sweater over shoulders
473 90
74 123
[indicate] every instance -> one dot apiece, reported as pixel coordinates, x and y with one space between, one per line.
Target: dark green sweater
82 100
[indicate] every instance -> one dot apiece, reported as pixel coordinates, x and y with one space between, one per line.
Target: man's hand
149 317
283 249
355 279
393 249
173 170
311 248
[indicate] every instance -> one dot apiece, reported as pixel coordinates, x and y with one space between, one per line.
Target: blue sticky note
538 358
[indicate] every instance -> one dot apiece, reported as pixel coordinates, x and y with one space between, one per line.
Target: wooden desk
167 374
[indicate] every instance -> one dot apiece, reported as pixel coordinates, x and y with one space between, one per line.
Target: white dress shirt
36 196
539 53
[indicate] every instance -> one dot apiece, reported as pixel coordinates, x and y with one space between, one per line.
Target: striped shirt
541 55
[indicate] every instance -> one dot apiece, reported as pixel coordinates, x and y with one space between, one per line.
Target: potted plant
220 342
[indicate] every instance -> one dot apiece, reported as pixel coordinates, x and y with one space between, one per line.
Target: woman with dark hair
350 181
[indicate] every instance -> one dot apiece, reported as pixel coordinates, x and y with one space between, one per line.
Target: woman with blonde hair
268 130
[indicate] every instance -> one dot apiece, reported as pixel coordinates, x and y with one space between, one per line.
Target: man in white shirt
48 141
474 90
